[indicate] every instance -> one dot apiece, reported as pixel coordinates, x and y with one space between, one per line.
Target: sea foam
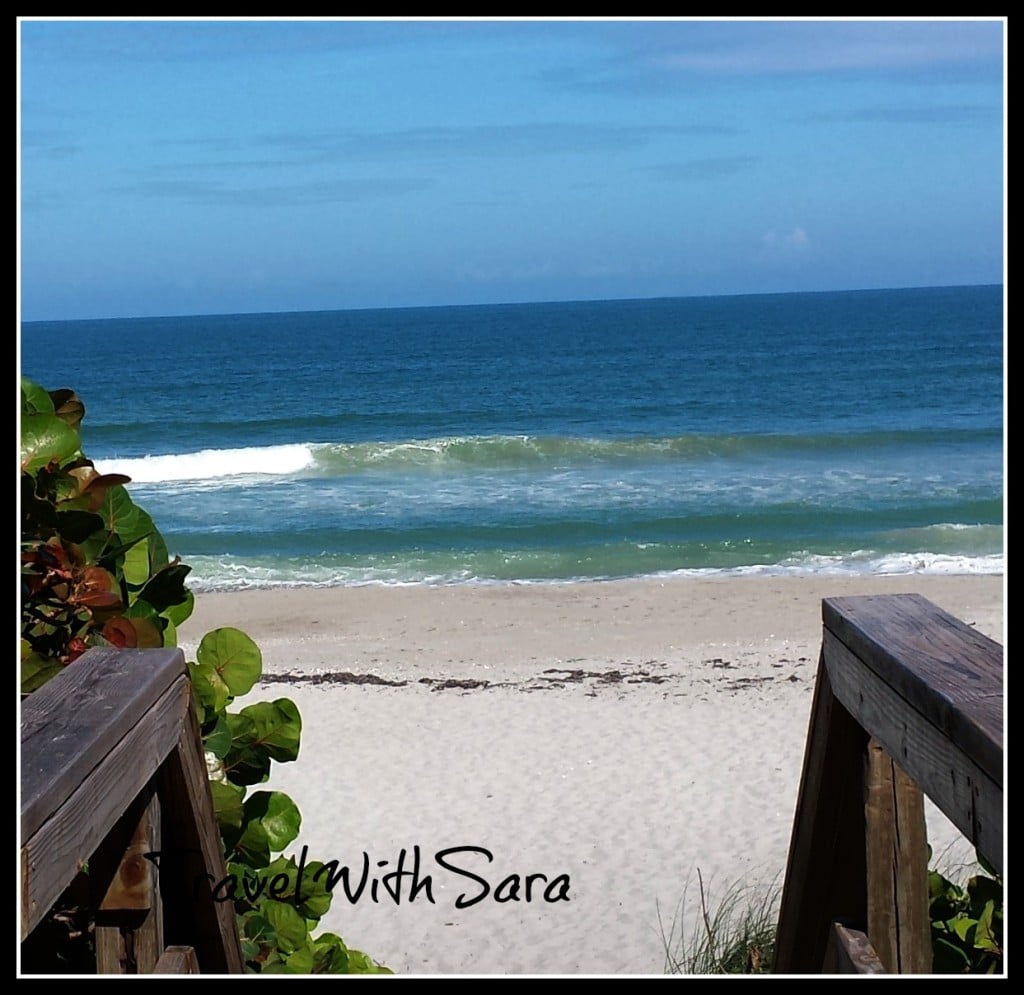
211 464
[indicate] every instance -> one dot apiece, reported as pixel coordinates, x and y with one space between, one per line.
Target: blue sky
200 167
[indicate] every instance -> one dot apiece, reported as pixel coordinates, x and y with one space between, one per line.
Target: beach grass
733 933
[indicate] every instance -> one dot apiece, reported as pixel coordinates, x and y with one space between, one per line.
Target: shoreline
618 734
513 624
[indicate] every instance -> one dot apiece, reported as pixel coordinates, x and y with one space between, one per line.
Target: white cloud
795 240
798 238
839 46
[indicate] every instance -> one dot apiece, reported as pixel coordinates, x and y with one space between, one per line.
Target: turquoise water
854 432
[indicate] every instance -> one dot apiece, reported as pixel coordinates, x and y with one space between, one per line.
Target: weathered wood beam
897 866
71 723
948 672
970 799
192 861
63 844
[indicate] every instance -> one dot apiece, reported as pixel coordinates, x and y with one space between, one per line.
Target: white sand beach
614 737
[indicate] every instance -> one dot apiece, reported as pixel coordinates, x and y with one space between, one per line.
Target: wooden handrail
930 689
112 763
907 698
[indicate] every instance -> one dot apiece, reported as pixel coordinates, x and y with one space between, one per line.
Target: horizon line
422 307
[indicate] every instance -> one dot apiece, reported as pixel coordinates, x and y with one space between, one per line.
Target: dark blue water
850 432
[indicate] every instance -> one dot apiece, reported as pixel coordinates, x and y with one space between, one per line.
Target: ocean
848 432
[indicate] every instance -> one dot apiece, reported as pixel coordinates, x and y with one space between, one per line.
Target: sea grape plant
95 571
94 568
967 922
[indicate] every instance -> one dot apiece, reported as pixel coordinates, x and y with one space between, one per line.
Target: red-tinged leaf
107 480
97 579
97 599
67 406
97 589
97 486
83 474
148 635
121 633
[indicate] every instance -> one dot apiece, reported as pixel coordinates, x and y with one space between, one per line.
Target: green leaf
360 963
158 557
170 632
121 516
34 399
981 890
278 727
211 691
937 884
256 928
330 955
136 563
77 526
289 926
167 587
250 847
278 815
947 958
227 804
36 670
234 656
946 898
143 609
245 763
315 897
44 439
103 549
65 491
301 961
964 928
985 936
218 739
260 733
179 612
270 821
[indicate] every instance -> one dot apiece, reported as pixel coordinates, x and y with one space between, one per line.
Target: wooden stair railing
908 698
113 774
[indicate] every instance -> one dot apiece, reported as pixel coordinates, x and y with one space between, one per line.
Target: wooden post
897 866
826 869
192 863
129 917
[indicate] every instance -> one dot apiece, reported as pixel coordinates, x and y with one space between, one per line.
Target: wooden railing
113 775
908 698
